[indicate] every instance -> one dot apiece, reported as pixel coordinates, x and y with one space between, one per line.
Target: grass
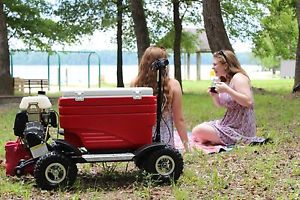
270 171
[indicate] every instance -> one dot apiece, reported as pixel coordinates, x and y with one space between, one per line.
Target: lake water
78 74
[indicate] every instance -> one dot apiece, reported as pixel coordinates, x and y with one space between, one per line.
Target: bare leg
206 135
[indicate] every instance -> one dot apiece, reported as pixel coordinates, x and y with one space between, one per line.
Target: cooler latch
79 96
137 94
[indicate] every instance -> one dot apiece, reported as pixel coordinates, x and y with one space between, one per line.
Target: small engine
34 119
34 134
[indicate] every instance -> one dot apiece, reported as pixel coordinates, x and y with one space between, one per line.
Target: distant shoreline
78 75
109 57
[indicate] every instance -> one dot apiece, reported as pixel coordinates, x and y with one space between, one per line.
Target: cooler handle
79 96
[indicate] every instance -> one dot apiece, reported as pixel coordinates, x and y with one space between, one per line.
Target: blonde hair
233 65
147 75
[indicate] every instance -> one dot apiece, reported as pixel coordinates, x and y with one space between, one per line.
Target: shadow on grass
108 181
116 180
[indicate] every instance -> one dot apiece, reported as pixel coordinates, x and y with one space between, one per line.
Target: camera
214 82
160 63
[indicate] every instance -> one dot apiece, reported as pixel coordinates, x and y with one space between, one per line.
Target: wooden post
198 65
188 65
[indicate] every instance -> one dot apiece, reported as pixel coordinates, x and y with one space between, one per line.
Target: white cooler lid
110 92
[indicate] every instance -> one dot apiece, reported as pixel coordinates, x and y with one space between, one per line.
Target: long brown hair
233 65
147 75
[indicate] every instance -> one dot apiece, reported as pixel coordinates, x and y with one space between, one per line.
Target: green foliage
42 23
270 24
189 41
241 17
278 38
160 20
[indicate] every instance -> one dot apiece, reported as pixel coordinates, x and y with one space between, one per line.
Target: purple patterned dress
238 123
166 129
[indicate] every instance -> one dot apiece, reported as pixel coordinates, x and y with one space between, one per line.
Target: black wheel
165 164
55 170
140 163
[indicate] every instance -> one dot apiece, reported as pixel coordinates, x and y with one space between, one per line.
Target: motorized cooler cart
103 125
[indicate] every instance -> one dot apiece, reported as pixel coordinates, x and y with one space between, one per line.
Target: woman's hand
222 87
187 147
215 97
212 94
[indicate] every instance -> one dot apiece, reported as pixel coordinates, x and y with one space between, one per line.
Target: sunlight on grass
269 171
278 85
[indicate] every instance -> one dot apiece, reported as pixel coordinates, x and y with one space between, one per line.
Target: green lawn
270 171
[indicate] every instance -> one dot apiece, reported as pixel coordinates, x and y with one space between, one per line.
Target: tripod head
160 64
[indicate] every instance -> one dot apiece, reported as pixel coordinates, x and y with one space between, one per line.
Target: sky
103 41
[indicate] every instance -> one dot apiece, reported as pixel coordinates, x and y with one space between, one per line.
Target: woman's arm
241 91
178 113
215 98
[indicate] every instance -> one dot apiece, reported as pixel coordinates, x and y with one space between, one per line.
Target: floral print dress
238 123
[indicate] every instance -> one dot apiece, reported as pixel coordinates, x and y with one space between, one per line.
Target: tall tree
104 15
182 11
214 26
140 27
120 9
297 68
177 40
161 23
6 85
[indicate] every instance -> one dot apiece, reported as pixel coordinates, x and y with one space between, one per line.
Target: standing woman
235 94
172 96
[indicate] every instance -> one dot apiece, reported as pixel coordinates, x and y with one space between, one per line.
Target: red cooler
108 119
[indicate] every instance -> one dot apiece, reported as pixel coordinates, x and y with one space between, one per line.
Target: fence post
59 64
89 62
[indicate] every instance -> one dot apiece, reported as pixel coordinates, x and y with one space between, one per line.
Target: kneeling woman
238 124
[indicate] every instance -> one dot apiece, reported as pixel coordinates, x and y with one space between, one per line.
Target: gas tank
42 101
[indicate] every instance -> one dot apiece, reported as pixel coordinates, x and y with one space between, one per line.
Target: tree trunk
120 82
6 81
214 26
177 41
297 67
140 27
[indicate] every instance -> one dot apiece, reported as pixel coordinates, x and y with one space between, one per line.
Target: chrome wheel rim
165 165
55 173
